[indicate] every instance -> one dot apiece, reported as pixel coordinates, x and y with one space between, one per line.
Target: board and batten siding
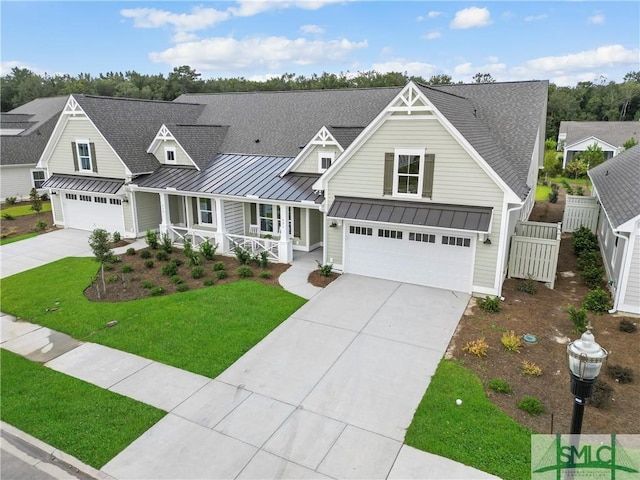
80 128
630 300
16 181
458 180
148 211
181 157
234 217
310 164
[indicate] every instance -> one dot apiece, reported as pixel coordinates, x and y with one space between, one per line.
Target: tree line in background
595 101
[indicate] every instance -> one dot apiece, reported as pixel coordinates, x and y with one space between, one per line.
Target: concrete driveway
37 251
329 393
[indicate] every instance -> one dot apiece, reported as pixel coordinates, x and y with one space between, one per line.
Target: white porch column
164 212
188 206
220 227
285 246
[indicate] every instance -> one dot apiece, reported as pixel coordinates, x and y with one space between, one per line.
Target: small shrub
155 291
182 287
115 259
145 254
569 189
243 256
531 405
580 191
44 197
193 257
326 269
221 274
578 318
8 216
152 239
126 268
477 347
175 279
167 243
627 326
261 259
11 200
499 385
620 374
597 301
197 272
107 266
490 304
529 286
176 261
170 269
245 271
131 251
592 276
40 226
116 237
584 240
264 274
148 263
147 284
162 256
565 183
601 394
530 368
112 278
588 259
207 282
511 341
207 249
553 196
218 266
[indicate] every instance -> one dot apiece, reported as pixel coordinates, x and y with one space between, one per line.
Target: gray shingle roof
238 175
84 184
617 182
500 120
27 147
130 125
614 133
477 219
345 135
285 121
202 142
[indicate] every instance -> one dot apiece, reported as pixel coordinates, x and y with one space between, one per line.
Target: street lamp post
585 358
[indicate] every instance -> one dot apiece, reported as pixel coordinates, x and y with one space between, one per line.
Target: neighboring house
418 184
24 132
576 137
616 184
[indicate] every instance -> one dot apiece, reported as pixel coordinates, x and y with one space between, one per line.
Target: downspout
623 264
506 251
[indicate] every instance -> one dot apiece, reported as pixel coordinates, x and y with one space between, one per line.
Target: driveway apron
328 394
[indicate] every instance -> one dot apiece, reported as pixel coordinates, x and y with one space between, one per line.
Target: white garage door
88 212
432 258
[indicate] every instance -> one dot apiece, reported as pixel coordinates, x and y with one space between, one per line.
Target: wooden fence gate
534 252
580 211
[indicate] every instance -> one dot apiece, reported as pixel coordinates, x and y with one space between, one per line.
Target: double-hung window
205 211
267 216
170 155
408 172
84 155
38 178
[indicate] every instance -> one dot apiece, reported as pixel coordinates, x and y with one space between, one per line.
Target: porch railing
254 245
179 234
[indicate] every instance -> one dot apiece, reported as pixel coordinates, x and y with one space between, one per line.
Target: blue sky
564 42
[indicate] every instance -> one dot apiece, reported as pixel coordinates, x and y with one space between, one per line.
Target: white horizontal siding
61 160
630 300
334 247
56 208
234 217
181 157
16 181
310 163
148 211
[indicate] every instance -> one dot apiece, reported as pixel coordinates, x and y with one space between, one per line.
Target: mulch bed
318 280
26 224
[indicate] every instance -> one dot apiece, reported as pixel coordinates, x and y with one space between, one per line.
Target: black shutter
388 173
94 161
74 151
296 221
254 215
427 180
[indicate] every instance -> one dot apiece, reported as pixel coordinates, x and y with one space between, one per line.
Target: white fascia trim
310 146
59 128
386 112
163 135
595 140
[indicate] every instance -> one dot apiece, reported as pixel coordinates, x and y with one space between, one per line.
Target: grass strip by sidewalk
79 418
476 433
6 240
203 331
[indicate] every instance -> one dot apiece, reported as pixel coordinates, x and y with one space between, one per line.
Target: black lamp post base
581 390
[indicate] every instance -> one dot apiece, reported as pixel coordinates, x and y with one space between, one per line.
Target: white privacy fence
580 211
534 252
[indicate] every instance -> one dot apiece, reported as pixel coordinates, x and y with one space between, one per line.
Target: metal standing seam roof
238 175
476 219
617 182
78 183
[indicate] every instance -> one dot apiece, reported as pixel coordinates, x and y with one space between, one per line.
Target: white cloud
263 78
536 18
181 37
607 56
248 8
431 35
596 19
312 29
229 54
468 69
386 51
434 14
5 67
493 59
199 18
425 70
471 17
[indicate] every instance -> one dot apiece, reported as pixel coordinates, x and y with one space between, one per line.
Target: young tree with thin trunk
99 243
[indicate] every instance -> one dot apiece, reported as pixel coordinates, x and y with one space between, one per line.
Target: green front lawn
4 241
79 418
24 209
476 433
203 331
542 193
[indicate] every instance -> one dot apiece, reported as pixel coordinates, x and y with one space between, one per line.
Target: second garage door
433 258
87 212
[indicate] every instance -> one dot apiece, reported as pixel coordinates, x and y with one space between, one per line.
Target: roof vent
257 140
475 112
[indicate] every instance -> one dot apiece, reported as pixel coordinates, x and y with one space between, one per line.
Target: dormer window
170 155
325 159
